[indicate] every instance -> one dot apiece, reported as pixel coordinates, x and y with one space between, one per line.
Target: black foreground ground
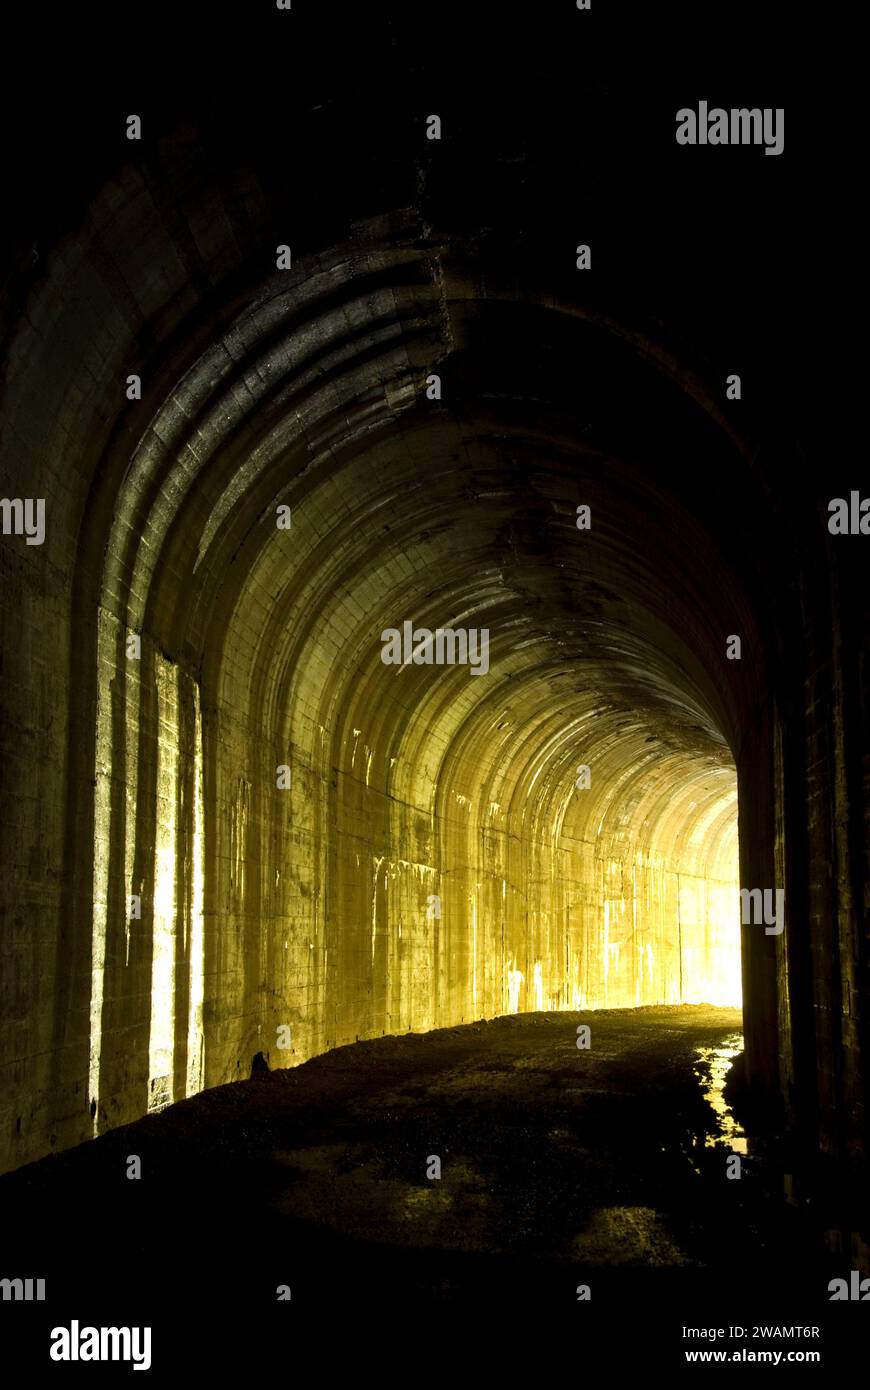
559 1167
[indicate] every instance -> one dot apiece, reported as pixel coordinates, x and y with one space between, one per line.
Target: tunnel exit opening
645 882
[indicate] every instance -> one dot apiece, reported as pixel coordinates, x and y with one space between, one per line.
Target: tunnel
425 631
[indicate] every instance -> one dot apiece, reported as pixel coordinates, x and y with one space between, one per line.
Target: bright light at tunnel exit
659 927
701 964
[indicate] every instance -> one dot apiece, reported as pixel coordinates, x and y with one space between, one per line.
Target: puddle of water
711 1066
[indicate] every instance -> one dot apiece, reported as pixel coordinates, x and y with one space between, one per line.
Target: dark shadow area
558 1166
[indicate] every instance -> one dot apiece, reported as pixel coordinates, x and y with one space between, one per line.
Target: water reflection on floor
711 1065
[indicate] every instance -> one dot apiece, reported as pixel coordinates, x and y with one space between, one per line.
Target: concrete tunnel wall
310 906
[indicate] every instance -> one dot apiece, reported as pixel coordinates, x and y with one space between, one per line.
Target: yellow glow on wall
161 1048
538 985
515 983
106 640
474 952
195 1034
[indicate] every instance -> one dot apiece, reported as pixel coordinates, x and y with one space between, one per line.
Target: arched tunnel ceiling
452 513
